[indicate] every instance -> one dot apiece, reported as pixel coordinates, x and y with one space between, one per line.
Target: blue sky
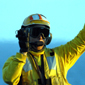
66 17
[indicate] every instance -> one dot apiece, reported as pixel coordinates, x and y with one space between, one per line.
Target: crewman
36 64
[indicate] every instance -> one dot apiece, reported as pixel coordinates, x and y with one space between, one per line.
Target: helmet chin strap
35 44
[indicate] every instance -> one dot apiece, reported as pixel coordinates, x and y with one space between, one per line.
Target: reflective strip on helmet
31 18
44 18
27 65
36 17
51 62
39 16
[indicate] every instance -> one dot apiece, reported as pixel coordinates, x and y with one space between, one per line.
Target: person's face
39 38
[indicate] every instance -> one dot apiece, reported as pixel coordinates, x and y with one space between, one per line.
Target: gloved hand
23 40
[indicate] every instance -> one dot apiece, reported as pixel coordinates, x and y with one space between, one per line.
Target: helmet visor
36 31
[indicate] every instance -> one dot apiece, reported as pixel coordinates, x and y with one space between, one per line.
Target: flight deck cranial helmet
35 22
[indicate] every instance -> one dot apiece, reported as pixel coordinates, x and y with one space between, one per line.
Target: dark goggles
36 31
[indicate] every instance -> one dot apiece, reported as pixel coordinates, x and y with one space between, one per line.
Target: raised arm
70 52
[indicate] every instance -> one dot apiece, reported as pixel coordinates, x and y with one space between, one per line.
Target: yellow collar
36 53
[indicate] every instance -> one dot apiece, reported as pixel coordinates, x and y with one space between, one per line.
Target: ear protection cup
48 39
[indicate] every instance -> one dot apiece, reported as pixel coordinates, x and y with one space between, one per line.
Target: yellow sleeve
12 68
71 51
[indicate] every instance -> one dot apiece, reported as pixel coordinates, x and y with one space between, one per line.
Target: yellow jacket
55 66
